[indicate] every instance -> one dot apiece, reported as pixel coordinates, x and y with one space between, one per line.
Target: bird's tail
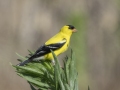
24 62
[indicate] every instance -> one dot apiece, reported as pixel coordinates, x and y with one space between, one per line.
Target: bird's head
68 29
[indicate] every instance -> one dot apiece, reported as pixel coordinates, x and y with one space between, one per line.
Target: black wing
45 49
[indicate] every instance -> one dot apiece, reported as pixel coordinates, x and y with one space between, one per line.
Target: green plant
45 76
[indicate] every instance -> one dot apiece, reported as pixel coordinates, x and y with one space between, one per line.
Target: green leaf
72 71
57 71
35 82
67 87
66 69
27 70
57 64
61 84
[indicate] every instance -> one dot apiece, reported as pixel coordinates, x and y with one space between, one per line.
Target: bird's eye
71 27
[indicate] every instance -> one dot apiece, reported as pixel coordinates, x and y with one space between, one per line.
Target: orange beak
74 30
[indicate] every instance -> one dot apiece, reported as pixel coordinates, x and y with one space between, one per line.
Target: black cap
71 27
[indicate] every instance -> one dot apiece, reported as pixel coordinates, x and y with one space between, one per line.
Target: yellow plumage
58 43
63 34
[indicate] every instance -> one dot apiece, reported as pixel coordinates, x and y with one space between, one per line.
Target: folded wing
45 49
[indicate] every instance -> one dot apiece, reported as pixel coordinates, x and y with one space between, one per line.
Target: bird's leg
53 62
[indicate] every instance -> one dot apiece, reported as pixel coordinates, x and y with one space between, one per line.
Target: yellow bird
58 43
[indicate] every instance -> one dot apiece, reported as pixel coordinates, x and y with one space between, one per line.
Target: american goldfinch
58 43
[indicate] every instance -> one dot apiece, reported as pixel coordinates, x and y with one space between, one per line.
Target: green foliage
44 76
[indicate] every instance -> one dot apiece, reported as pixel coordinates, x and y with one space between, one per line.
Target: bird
58 44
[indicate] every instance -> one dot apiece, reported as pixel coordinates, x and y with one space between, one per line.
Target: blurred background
27 24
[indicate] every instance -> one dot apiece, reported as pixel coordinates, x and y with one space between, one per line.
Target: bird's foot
53 62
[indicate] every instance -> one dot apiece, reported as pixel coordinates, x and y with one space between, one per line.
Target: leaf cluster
45 76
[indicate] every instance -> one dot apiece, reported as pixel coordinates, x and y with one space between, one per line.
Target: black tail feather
24 62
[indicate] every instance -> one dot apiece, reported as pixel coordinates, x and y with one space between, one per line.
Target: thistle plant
45 76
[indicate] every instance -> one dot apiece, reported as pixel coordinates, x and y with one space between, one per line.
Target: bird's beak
74 30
